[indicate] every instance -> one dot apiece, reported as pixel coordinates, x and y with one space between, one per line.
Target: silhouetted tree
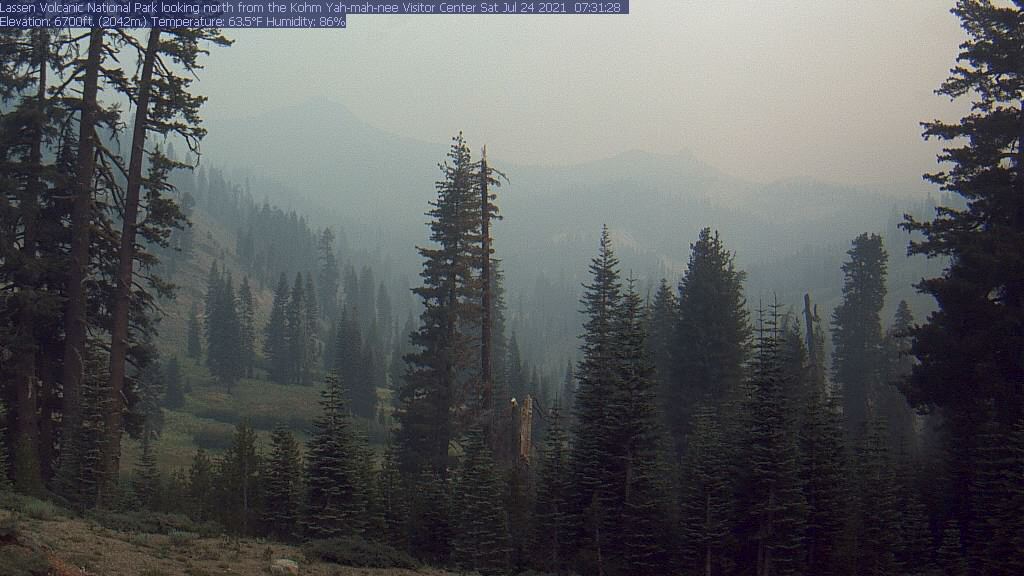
275 339
283 483
480 542
969 350
711 335
857 355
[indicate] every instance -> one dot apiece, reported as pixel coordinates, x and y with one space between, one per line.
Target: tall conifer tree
857 355
711 335
969 350
335 505
275 336
598 376
283 485
432 400
246 329
552 526
773 505
481 539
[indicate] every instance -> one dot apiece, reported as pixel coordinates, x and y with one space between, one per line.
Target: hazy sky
761 89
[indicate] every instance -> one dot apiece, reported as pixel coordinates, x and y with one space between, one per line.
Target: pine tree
76 323
282 494
552 526
430 522
482 401
351 286
663 314
328 275
824 475
646 504
195 344
82 477
774 504
275 339
569 391
214 287
334 504
174 494
594 445
313 348
365 301
857 330
706 502
351 363
711 335
366 481
238 482
147 476
876 512
432 404
970 366
223 329
163 107
200 486
384 312
298 334
149 389
481 539
29 181
518 506
898 364
247 328
392 498
913 548
996 499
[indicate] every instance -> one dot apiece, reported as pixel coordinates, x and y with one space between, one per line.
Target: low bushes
354 551
144 522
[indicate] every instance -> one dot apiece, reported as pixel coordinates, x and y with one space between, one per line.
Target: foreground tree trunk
78 267
119 341
29 460
486 360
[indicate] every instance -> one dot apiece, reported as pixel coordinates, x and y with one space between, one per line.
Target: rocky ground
64 546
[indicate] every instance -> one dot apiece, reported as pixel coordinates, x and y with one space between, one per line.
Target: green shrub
39 509
145 522
354 551
182 537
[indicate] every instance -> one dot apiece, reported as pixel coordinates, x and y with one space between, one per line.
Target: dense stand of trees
692 436
83 219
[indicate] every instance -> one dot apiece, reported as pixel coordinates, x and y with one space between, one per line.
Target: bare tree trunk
29 464
486 322
78 267
126 257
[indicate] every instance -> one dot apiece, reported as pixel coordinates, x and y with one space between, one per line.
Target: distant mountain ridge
321 155
321 160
